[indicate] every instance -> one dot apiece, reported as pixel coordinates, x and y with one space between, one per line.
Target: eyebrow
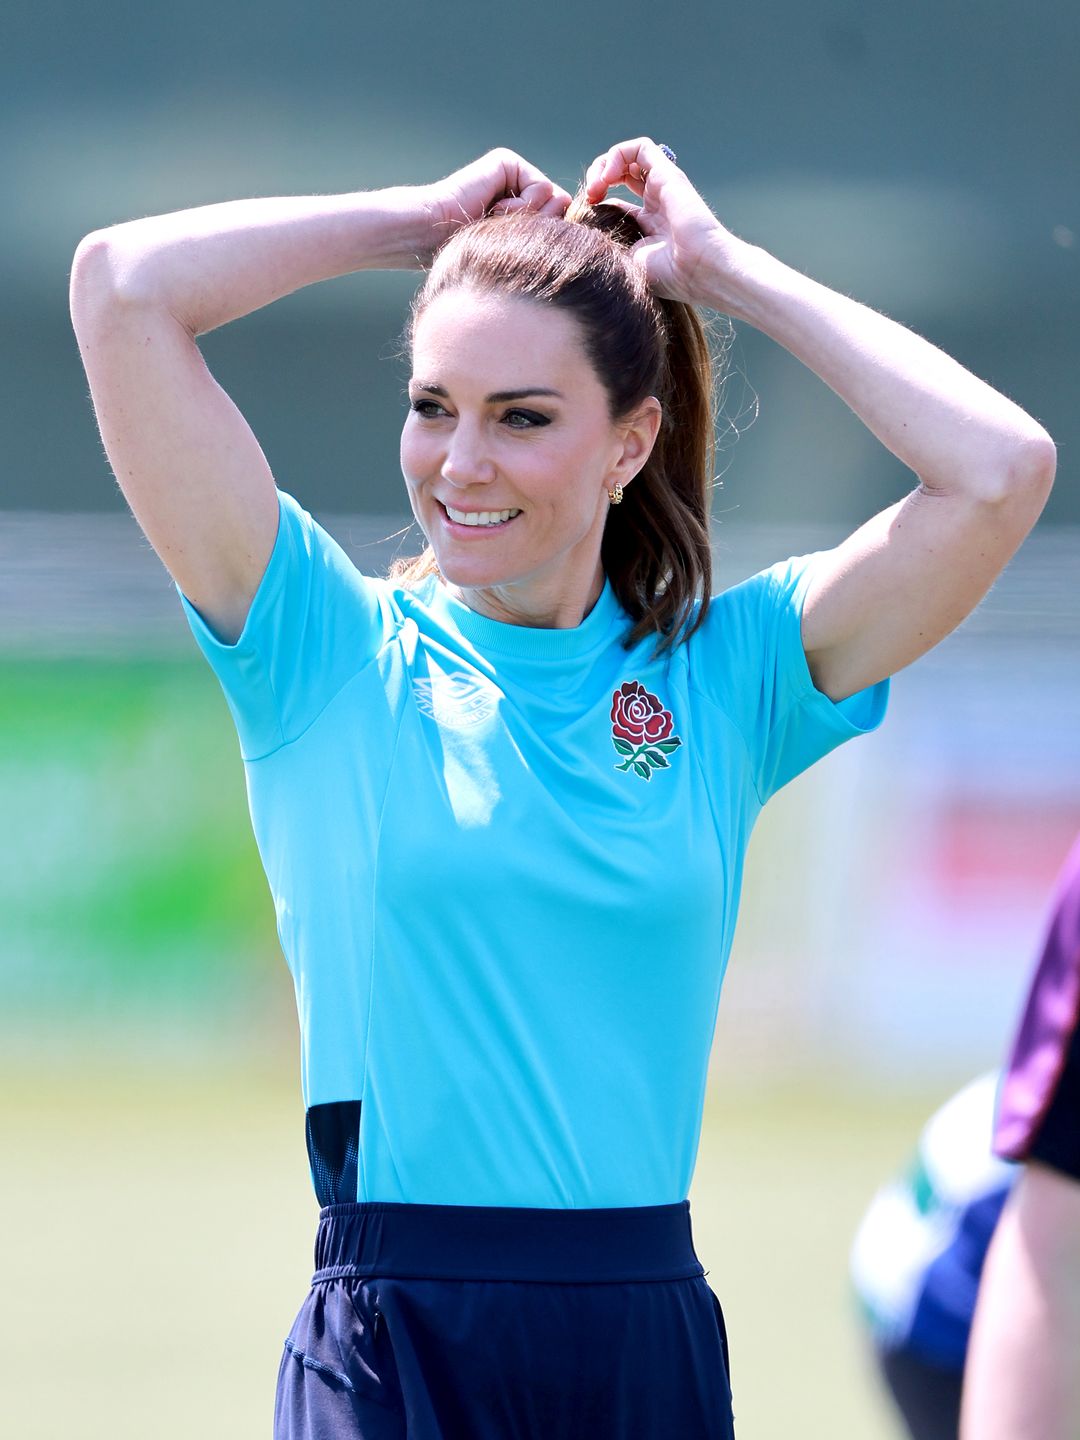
497 397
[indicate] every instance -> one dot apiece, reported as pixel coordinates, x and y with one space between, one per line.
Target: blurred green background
925 158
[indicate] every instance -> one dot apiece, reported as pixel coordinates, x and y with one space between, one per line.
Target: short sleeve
314 622
1039 1106
748 658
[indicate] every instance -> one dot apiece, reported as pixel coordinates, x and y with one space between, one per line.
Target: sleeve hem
243 654
211 642
858 714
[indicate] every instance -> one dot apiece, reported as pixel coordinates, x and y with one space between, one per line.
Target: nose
466 461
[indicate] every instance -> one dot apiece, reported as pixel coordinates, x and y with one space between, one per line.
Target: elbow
1039 463
94 280
1031 473
1022 475
96 261
88 269
106 278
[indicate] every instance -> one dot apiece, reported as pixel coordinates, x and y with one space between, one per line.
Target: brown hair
655 549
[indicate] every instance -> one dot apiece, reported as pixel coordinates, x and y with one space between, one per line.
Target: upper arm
906 578
185 458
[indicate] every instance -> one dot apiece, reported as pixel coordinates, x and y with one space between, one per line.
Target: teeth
481 517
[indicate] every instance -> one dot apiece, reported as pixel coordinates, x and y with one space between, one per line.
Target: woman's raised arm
185 458
904 580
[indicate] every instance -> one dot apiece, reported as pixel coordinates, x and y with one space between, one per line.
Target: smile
486 518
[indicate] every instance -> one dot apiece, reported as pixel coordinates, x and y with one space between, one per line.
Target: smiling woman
513 500
563 310
503 798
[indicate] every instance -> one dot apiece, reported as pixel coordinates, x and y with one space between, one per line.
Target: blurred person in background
921 1251
1023 1373
918 1256
503 797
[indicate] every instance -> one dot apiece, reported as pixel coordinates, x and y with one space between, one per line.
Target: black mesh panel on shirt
333 1143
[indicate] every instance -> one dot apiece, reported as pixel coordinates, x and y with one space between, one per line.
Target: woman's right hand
687 255
498 183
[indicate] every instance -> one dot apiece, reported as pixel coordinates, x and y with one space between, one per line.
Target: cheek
415 455
568 478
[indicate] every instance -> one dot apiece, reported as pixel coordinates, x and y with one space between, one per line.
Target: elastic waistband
483 1242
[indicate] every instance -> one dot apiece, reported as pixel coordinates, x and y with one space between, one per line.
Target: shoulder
751 626
314 566
781 586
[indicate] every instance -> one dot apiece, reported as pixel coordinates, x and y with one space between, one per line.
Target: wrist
397 227
742 280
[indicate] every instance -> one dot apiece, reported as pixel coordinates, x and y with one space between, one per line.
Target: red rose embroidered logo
641 730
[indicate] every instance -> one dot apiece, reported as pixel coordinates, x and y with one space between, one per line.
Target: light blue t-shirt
506 864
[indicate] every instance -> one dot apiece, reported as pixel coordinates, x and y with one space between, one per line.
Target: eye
427 409
525 419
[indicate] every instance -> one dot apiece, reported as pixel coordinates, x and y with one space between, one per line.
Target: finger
628 163
559 203
644 250
546 199
537 193
510 176
642 255
525 180
613 166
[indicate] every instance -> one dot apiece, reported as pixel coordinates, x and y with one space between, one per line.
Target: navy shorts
450 1322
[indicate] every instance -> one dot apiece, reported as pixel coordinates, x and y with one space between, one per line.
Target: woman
503 804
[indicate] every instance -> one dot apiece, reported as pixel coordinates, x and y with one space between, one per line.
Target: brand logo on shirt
641 730
457 702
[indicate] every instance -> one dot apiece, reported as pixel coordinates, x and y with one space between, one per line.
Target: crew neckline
528 641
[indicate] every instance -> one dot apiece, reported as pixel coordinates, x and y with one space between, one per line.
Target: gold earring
615 496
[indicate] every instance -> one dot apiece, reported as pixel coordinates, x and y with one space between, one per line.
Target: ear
638 432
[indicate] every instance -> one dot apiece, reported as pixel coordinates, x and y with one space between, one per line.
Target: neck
539 609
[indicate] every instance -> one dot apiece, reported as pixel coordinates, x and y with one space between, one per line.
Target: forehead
471 333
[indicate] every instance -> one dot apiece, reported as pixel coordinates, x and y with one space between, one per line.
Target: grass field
158 1236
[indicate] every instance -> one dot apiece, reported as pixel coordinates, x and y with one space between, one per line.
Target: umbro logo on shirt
456 702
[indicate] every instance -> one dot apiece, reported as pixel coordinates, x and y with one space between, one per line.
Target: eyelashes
426 408
514 419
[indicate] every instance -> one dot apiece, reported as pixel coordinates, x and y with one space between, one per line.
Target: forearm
210 265
953 430
1022 1381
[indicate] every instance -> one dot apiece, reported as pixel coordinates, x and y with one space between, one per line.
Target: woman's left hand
904 579
686 251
